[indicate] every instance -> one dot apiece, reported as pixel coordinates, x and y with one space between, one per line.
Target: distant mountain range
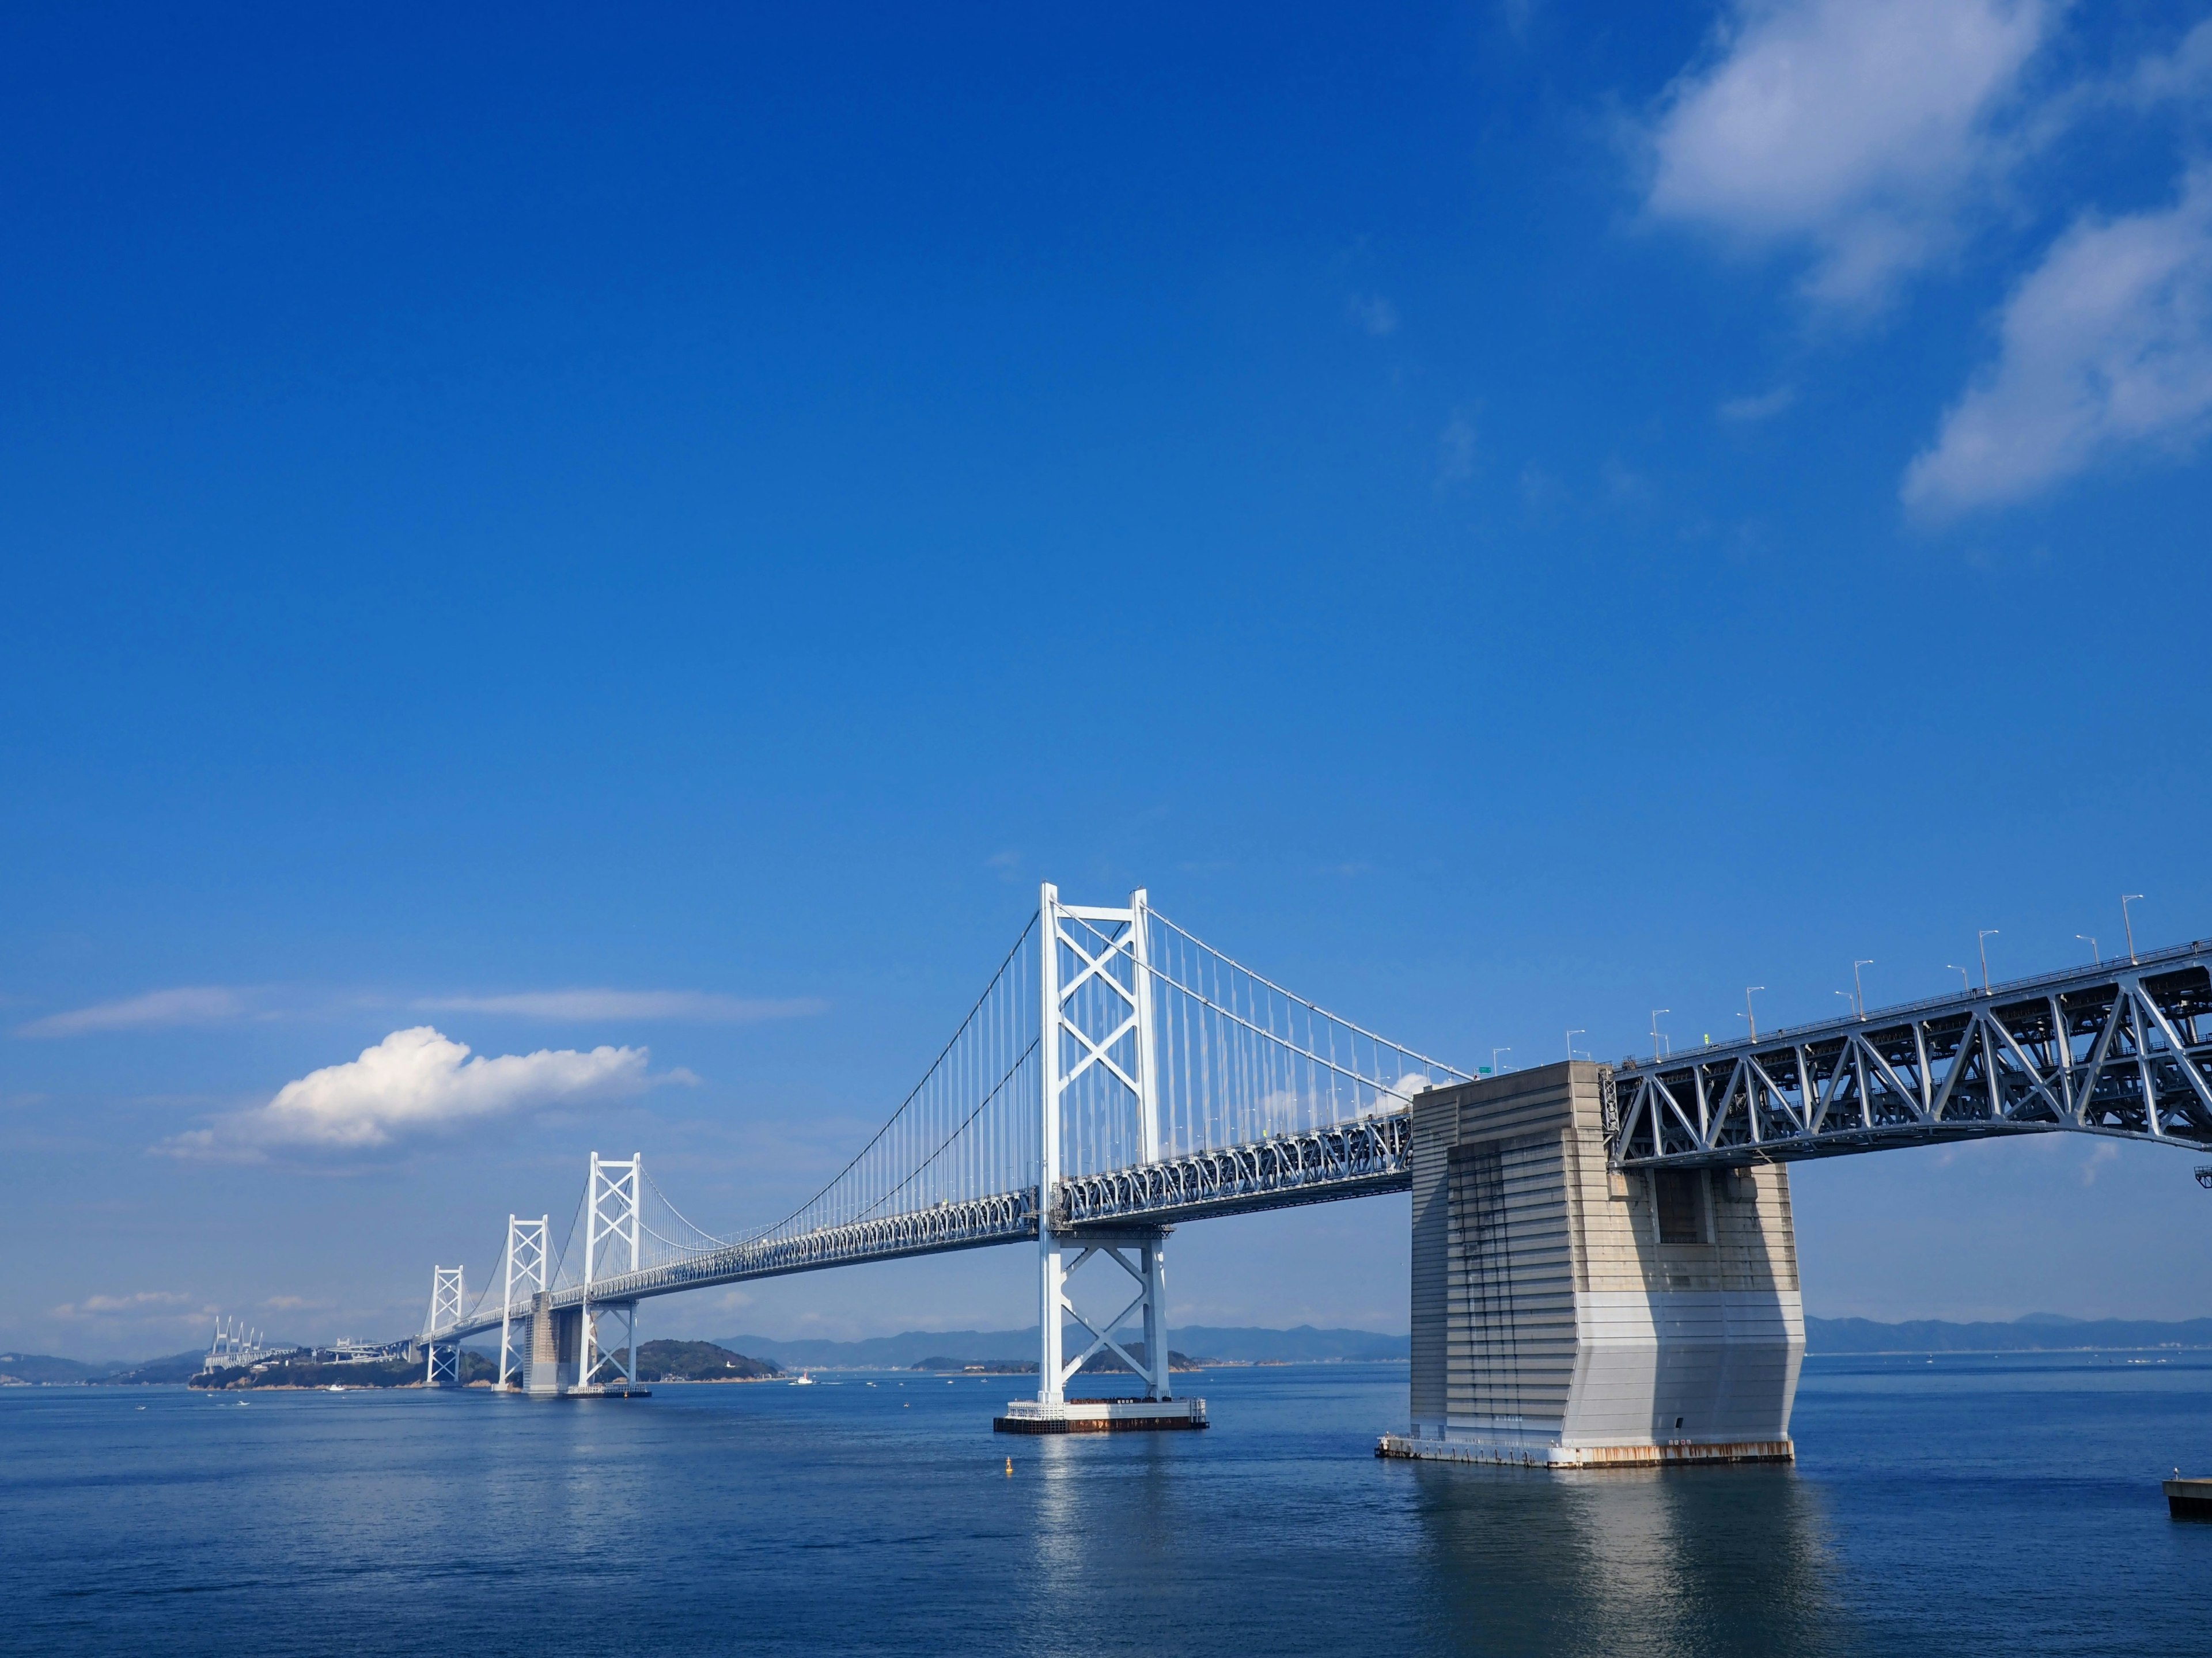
1305 1345
46 1368
2037 1333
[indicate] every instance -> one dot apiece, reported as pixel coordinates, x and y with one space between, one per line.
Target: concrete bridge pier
556 1341
1566 1315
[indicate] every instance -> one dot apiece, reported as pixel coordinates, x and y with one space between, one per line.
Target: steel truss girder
1347 1160
2122 1049
1341 1161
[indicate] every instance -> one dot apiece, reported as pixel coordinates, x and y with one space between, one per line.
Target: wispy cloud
1374 313
1765 405
191 1005
1852 128
2183 74
141 1303
414 1083
2104 349
694 1006
1458 449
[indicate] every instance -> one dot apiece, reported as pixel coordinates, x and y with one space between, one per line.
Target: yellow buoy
1010 1467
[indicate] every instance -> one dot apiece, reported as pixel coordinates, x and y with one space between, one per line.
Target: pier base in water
2189 1499
1571 1314
1593 1457
1094 1415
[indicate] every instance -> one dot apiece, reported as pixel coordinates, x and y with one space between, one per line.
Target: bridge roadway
2122 1048
1345 1160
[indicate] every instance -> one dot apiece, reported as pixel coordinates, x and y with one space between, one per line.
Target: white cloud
699 1006
413 1083
2106 347
1853 127
192 1004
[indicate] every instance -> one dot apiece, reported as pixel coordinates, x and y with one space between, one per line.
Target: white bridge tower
1100 1101
610 1233
441 1363
525 1271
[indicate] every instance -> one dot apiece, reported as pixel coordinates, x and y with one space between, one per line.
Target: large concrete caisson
1566 1314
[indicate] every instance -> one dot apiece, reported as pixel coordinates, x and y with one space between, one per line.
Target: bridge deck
1346 1160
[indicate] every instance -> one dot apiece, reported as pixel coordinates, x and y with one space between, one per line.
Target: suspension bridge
1118 1075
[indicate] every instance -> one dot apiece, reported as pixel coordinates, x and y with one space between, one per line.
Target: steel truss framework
2122 1048
1346 1160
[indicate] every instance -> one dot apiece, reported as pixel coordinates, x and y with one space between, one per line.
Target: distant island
995 1352
699 1361
657 1361
309 1367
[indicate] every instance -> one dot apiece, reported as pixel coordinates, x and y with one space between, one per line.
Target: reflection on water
1963 1507
1688 1561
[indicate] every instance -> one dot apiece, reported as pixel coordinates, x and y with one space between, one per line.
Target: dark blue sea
1969 1505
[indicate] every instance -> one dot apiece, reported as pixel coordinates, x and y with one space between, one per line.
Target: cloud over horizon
414 1083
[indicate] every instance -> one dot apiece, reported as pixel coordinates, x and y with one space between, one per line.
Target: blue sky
656 531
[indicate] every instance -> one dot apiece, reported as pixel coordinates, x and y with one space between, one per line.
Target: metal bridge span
1141 1078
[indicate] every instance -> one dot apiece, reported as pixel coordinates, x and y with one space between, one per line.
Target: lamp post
2127 898
1750 1018
1571 1035
1858 985
1494 1053
1981 942
1656 1037
2095 956
1965 984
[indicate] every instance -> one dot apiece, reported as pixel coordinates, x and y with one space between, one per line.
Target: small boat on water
802 1380
335 1388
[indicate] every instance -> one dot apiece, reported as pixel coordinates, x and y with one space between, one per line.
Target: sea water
1965 1506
